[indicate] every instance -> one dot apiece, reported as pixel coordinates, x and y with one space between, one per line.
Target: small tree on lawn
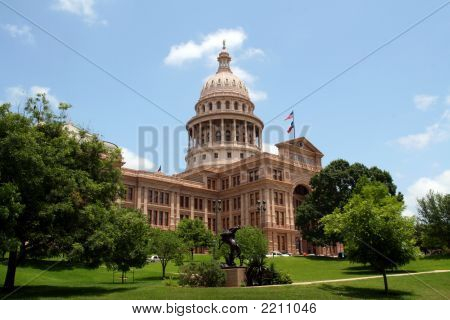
194 234
130 234
434 220
253 245
374 230
168 246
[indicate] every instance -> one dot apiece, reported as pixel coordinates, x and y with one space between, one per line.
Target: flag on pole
159 169
291 127
290 116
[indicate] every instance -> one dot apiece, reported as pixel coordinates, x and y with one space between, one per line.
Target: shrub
204 274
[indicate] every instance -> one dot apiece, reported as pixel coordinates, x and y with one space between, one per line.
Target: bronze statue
228 237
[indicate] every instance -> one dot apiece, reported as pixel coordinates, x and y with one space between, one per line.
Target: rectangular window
167 198
277 218
253 175
129 194
229 155
149 216
161 197
161 217
236 180
252 199
155 197
195 203
150 196
280 200
142 194
277 174
155 217
275 198
166 218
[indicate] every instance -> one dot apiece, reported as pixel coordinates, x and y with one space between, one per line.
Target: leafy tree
374 230
332 188
253 244
434 220
168 246
130 240
55 179
194 234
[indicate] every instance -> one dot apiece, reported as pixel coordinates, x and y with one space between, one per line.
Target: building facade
225 164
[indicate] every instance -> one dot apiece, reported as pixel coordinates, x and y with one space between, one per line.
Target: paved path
356 279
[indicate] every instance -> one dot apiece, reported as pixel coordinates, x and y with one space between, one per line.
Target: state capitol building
229 180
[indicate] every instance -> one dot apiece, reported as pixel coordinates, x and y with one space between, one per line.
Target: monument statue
228 237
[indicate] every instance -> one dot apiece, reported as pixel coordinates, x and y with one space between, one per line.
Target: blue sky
392 110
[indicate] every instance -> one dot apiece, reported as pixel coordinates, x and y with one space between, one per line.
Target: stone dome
224 82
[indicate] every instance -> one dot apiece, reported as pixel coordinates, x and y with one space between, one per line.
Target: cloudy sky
369 79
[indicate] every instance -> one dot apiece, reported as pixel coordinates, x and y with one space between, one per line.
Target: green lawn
63 281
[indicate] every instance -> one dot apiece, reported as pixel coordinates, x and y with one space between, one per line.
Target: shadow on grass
322 258
59 292
365 293
367 271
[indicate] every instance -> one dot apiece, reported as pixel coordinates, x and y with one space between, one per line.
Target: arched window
228 135
236 106
203 108
227 104
244 107
218 136
210 106
218 104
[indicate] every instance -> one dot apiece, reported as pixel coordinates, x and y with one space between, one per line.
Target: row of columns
195 133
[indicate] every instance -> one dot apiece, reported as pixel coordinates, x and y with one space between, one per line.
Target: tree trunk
164 271
123 275
385 281
22 253
192 254
11 273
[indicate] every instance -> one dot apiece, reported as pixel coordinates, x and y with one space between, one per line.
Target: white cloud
244 75
134 161
20 32
18 95
209 44
422 186
257 95
424 102
252 53
82 8
435 133
270 148
249 79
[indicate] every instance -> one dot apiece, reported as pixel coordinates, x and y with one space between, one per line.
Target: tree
130 240
253 245
194 234
332 188
57 178
168 246
434 220
373 228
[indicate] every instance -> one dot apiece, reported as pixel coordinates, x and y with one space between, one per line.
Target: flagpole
293 120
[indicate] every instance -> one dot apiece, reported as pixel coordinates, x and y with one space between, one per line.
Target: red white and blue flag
291 127
290 116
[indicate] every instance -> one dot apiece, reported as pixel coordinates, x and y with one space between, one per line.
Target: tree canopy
194 234
168 246
332 188
373 228
433 213
51 179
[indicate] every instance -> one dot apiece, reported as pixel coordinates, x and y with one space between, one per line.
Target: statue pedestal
234 276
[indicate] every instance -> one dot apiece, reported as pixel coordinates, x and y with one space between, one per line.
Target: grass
64 281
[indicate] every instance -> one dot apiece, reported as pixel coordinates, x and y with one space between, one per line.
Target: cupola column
234 132
210 133
245 132
222 131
